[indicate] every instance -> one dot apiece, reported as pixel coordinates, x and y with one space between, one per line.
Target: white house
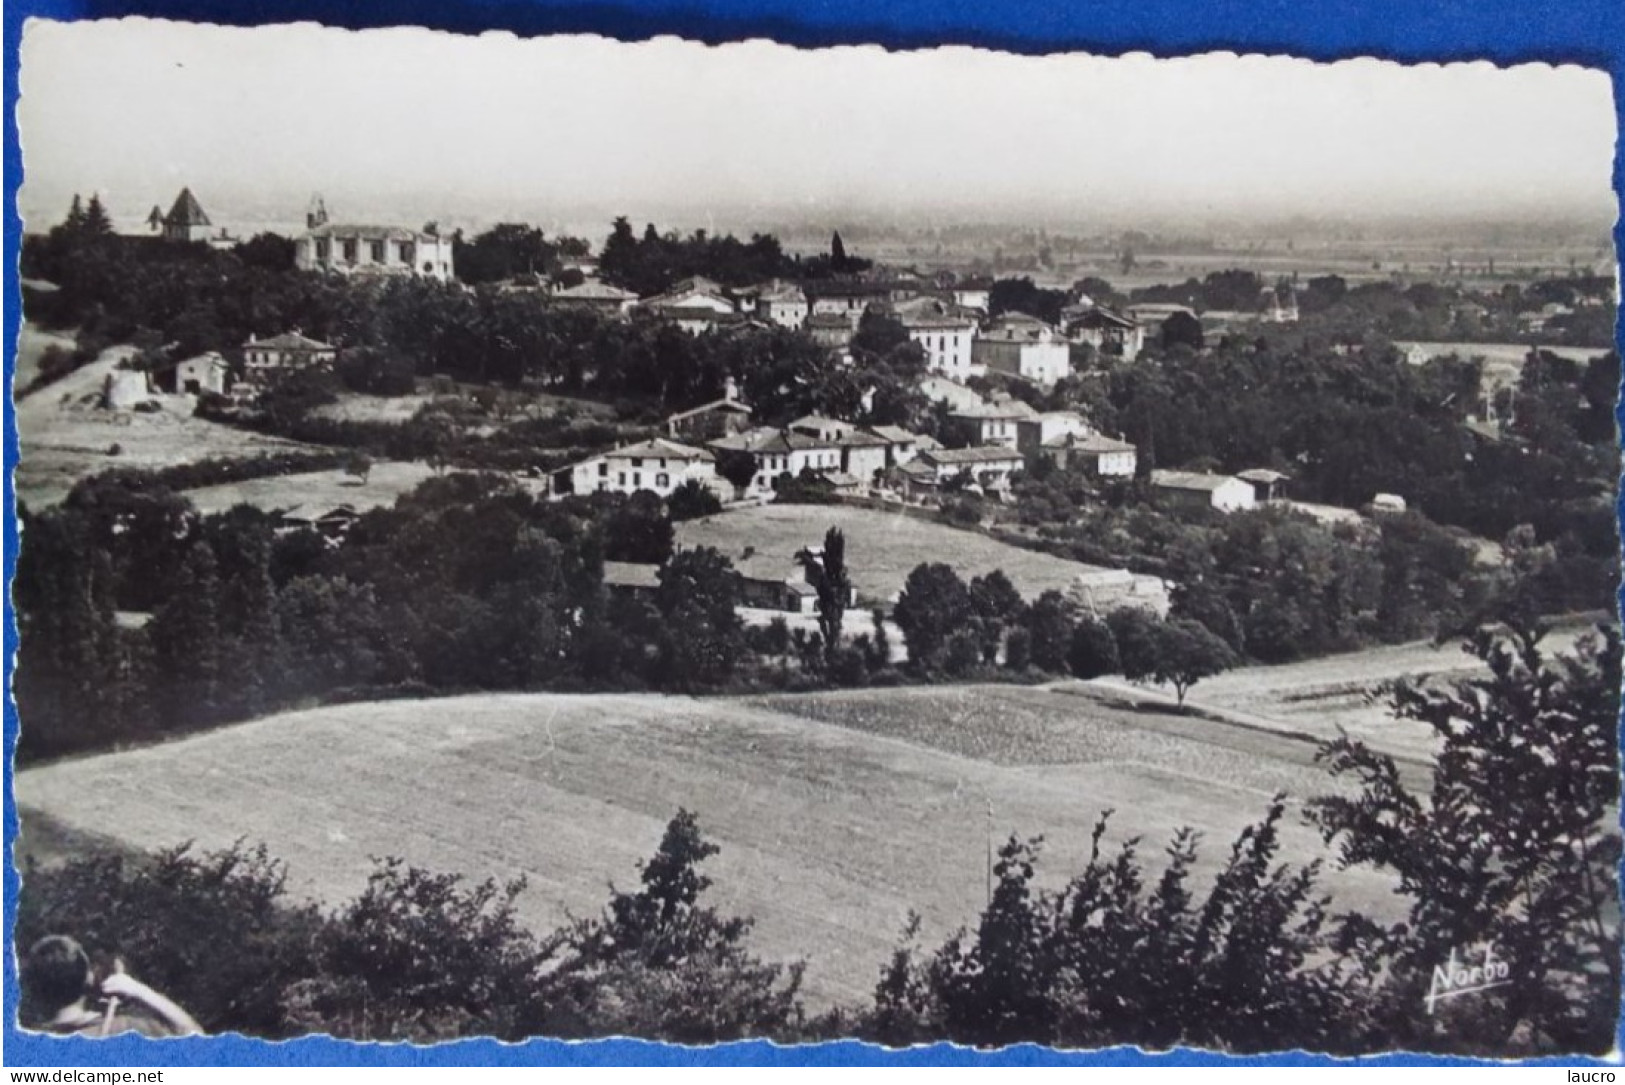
780 453
990 468
958 397
784 305
847 299
285 353
1023 346
901 445
996 423
207 373
690 294
826 429
1189 490
657 465
972 294
946 338
1094 452
863 455
370 250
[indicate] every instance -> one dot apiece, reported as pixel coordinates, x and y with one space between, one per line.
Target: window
408 253
637 480
637 462
324 250
662 480
375 251
603 468
620 479
349 246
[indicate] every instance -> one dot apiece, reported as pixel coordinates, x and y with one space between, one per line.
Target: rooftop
984 454
1189 480
659 447
370 233
186 211
631 574
290 341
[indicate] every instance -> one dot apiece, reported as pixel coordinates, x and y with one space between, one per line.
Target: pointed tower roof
155 218
187 211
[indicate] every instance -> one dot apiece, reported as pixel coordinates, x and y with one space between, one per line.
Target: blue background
1588 32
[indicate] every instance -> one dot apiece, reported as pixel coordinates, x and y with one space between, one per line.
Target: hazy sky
256 119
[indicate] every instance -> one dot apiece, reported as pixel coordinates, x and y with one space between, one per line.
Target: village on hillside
1179 617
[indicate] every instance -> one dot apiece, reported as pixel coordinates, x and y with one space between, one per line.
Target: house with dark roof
718 418
186 220
1110 332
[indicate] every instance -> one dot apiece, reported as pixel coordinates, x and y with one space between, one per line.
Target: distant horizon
568 131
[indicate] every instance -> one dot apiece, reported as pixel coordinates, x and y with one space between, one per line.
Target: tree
1182 329
97 223
1135 632
1515 847
358 466
997 605
1049 623
691 501
1093 651
826 572
661 964
738 467
703 637
934 602
1186 653
188 645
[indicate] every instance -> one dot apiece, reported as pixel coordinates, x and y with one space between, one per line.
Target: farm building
830 330
768 583
637 580
1267 485
1189 490
958 397
370 249
206 373
864 455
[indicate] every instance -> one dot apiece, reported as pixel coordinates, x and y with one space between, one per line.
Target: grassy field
1318 696
385 483
65 436
882 548
836 813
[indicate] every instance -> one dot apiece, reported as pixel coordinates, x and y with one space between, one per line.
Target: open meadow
65 435
836 813
882 548
385 483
